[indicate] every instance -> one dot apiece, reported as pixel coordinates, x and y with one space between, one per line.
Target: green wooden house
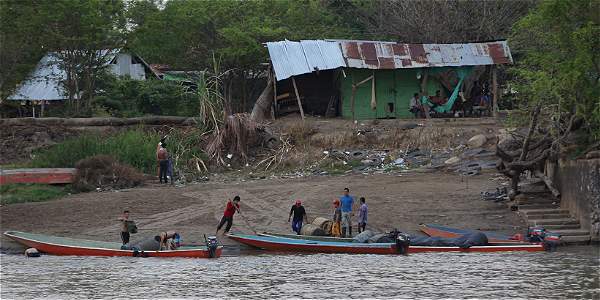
372 79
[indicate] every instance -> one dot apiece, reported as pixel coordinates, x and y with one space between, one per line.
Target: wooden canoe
449 232
42 175
67 246
307 237
275 243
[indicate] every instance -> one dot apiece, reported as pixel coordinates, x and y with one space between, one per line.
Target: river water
569 273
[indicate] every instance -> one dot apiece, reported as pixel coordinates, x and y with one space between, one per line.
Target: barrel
310 229
324 224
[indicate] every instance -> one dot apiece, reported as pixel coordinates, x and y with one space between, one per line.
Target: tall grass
134 147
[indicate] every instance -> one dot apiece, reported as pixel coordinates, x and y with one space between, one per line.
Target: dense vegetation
554 43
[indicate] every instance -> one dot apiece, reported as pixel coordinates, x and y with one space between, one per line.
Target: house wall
393 90
124 67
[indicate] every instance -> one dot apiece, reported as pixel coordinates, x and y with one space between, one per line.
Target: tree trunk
262 107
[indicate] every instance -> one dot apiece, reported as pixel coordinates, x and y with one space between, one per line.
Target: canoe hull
57 249
448 232
274 243
315 247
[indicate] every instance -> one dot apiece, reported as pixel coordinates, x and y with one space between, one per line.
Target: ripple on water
570 273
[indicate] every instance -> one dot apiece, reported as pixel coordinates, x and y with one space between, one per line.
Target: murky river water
570 273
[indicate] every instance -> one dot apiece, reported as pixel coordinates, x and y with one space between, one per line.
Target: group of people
479 99
343 211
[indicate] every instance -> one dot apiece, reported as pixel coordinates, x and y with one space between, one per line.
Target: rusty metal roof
381 55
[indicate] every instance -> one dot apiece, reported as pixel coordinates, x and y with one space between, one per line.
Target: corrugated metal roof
288 60
44 82
295 58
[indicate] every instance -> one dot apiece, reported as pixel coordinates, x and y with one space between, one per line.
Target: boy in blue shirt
347 202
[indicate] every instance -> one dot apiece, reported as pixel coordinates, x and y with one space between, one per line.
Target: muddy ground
395 201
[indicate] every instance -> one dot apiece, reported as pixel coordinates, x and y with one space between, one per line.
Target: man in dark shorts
163 162
230 209
124 227
299 215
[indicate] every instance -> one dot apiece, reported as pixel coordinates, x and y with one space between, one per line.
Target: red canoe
449 232
67 246
42 175
275 243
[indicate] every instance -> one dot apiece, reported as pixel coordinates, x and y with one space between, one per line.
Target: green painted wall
393 88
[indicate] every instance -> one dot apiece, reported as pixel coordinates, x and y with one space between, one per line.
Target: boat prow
68 246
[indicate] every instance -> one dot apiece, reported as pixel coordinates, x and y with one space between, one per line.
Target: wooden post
423 92
298 97
274 106
495 92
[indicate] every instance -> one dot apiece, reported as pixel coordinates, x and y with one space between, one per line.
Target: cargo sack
310 229
381 238
149 244
324 224
363 237
131 227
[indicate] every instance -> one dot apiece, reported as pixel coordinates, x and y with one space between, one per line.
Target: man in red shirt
230 209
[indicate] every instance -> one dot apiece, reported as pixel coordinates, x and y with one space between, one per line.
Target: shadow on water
571 272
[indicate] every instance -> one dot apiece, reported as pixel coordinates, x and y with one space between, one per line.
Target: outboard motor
212 244
402 243
551 241
536 234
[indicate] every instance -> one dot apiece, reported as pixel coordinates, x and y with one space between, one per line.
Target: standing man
163 161
230 208
362 215
125 227
347 202
299 215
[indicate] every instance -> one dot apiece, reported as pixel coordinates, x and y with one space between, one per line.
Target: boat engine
402 242
212 244
551 241
32 252
536 234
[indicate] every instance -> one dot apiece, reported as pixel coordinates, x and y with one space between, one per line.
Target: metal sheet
295 58
288 60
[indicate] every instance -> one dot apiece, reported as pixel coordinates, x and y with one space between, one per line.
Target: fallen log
548 182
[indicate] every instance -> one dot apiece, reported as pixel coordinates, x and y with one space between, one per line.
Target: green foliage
20 193
557 49
124 97
135 147
185 33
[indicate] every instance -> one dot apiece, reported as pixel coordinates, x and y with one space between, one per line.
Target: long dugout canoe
41 175
55 245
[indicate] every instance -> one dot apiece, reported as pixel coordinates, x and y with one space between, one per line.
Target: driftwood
83 122
262 107
532 155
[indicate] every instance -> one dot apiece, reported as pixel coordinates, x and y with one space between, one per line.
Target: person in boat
162 156
337 219
362 215
125 227
168 240
346 202
299 215
230 208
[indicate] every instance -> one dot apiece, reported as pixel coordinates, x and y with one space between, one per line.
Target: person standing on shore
362 215
347 202
230 208
337 219
299 215
163 161
125 227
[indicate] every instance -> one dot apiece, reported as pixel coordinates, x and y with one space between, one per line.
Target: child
230 208
362 215
337 219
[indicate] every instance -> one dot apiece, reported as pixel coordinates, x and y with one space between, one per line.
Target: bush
135 147
103 171
20 193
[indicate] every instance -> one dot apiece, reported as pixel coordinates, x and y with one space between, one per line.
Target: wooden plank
298 98
495 91
283 96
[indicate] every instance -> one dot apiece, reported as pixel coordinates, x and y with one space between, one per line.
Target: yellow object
335 229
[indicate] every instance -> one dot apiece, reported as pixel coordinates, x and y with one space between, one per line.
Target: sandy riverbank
400 201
